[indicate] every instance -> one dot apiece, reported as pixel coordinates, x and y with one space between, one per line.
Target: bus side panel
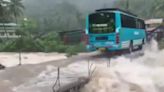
118 21
118 26
87 25
87 38
128 35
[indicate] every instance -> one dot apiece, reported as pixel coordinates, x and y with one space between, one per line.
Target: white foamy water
46 79
12 59
143 74
138 74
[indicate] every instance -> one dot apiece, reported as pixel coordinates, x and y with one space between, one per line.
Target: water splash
139 74
143 74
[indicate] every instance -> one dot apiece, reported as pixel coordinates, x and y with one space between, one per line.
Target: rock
2 67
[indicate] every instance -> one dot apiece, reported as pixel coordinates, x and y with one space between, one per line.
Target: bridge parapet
73 87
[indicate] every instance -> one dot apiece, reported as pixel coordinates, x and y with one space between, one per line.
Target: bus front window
102 23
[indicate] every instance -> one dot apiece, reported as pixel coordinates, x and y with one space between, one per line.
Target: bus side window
128 22
140 24
143 24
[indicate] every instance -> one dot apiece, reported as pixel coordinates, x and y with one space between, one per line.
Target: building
8 30
73 36
155 28
152 24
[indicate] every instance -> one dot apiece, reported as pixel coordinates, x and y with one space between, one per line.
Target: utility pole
127 5
20 42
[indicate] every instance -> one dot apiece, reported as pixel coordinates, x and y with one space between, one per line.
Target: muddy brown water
17 75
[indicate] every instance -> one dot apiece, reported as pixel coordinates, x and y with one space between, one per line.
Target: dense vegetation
40 34
143 8
41 20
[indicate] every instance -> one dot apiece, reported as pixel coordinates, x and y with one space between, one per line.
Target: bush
47 43
81 47
71 50
74 50
61 48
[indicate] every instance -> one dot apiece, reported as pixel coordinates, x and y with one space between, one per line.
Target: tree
4 14
157 8
16 10
1 8
143 8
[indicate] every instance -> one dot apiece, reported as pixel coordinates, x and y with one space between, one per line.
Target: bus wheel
141 46
130 47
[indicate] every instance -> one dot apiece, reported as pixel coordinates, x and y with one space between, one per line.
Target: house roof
154 21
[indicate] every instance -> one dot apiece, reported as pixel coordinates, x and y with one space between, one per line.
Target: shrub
75 49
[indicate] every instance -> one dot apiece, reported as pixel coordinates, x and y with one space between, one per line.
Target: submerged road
11 78
15 76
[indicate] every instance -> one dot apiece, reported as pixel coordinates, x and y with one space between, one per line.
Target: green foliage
9 11
25 43
57 17
15 8
48 43
39 33
29 25
143 8
73 50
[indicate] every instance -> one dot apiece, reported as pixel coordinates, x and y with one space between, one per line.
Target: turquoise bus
114 29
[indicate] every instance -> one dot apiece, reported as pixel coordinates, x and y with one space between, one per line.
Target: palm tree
16 10
4 14
1 8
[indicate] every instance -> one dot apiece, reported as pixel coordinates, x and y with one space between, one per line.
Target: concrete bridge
72 87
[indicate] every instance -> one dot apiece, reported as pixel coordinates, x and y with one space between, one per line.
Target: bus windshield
102 23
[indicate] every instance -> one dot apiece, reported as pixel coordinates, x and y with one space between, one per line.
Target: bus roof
115 9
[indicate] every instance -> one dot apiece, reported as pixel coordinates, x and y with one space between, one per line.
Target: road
41 77
15 76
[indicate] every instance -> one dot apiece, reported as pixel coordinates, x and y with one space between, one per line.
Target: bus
113 29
